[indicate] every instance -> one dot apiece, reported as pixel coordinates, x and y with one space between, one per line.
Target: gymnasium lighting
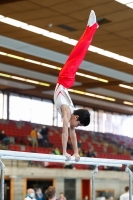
33 29
92 77
32 61
32 81
45 33
93 49
58 68
70 41
67 40
111 55
5 75
23 79
1 16
2 53
77 91
87 76
102 80
57 36
100 97
18 78
124 1
91 94
128 103
44 84
16 57
109 99
12 22
126 86
50 66
130 5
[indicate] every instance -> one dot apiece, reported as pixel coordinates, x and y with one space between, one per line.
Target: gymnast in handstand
63 102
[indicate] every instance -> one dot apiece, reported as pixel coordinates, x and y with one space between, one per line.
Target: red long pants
67 73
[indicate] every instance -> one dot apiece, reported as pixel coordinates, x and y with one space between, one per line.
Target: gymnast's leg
67 74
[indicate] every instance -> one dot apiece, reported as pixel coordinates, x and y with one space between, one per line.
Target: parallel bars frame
16 155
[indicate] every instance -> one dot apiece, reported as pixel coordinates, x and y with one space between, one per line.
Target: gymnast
63 102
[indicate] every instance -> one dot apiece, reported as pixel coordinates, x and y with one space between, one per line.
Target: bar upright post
93 182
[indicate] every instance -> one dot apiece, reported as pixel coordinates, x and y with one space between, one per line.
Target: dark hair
50 192
126 189
84 116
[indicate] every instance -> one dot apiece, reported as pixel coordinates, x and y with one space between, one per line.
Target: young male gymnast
63 102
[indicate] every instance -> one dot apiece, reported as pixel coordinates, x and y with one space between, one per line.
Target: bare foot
68 156
77 157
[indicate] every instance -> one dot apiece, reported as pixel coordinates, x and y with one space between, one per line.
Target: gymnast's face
74 121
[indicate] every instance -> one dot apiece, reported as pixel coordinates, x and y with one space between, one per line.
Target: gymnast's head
80 117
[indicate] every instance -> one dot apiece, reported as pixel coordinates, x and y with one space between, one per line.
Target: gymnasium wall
105 180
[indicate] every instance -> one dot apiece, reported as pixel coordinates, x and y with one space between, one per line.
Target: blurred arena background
36 38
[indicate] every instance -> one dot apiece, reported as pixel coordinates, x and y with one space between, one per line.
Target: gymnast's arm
66 119
74 143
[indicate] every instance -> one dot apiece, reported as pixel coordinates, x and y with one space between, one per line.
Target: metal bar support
130 181
2 179
93 182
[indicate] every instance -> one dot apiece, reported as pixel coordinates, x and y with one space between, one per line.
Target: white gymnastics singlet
61 96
